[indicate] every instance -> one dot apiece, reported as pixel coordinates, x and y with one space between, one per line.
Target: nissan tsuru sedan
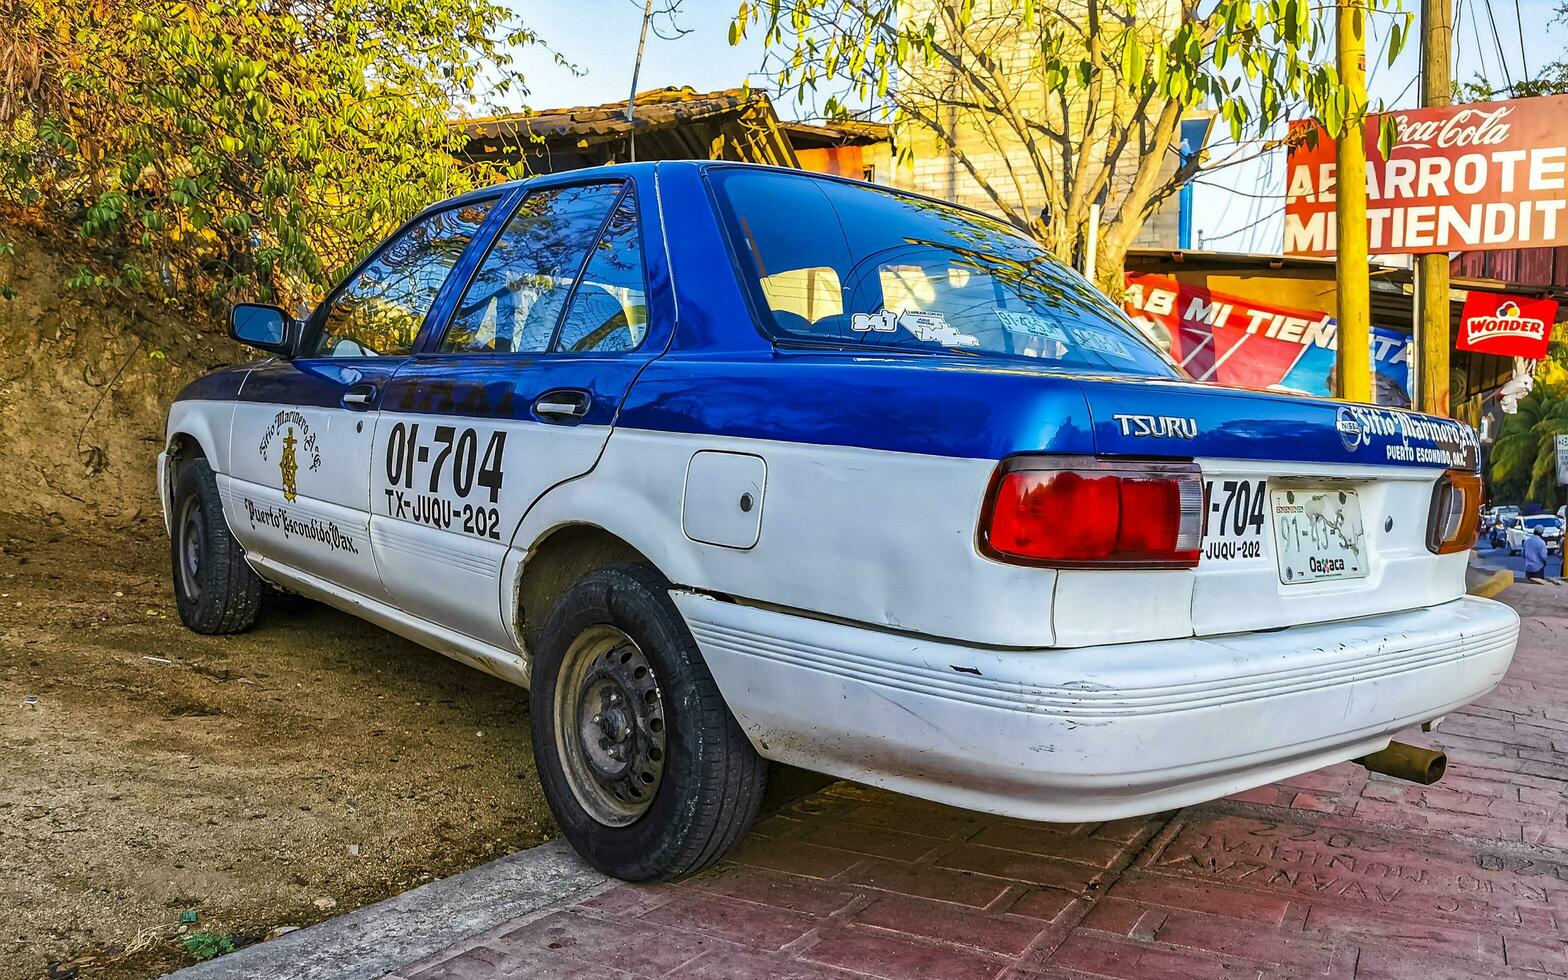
731 465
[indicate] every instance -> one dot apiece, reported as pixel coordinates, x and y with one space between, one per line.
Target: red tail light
1072 512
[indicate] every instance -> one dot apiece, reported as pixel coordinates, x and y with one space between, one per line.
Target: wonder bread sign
1459 179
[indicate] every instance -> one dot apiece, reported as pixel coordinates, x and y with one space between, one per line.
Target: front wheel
645 769
214 589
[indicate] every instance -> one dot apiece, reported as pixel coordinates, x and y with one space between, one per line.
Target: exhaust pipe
1409 762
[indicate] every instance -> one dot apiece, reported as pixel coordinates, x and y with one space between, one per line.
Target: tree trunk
1110 267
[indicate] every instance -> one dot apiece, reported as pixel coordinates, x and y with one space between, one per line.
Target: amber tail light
1455 518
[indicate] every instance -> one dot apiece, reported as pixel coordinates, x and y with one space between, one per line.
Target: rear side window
609 310
514 301
852 265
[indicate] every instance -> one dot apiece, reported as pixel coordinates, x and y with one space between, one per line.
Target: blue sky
1238 207
600 37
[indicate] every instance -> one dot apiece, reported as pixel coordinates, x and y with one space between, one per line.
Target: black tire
711 780
214 589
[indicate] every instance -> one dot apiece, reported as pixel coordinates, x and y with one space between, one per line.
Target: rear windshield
846 264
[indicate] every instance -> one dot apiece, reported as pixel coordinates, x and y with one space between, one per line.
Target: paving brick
1119 918
1125 831
1307 801
1426 933
779 890
740 965
1523 952
1392 963
1321 859
1017 865
821 804
1334 779
1390 792
1233 938
627 900
1043 903
1425 818
1043 840
489 963
777 825
874 842
881 954
941 824
928 882
644 952
1008 935
795 857
1176 893
1102 957
743 923
1267 795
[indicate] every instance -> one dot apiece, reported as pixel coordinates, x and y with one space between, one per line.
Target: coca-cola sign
1512 326
1463 178
1480 125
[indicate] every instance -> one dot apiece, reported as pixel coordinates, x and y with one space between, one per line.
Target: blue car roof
645 170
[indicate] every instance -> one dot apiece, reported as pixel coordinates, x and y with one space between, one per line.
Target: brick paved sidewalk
1334 873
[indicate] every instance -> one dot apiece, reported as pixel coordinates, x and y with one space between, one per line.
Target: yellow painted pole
1432 307
1351 269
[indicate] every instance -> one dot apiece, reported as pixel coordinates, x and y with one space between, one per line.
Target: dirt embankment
265 780
86 377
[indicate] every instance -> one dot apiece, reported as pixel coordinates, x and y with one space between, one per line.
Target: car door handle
359 397
563 405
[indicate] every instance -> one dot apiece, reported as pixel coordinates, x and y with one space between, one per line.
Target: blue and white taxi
730 464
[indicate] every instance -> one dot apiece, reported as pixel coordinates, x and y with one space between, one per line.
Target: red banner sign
1233 340
1460 179
1512 326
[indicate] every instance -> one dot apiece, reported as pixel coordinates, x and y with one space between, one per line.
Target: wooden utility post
1432 331
1350 212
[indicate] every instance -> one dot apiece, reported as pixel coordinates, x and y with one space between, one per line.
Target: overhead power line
1497 40
1524 56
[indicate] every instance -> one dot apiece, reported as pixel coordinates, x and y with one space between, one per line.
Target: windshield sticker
1033 324
1101 343
930 328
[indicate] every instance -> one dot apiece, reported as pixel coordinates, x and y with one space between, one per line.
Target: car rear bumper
1099 732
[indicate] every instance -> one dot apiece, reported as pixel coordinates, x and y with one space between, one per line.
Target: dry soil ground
264 780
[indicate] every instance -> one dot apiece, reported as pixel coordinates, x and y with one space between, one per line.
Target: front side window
851 265
515 299
380 311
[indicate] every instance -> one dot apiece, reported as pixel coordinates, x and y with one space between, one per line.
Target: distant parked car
1501 517
1522 527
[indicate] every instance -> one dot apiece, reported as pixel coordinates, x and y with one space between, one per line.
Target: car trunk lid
1315 510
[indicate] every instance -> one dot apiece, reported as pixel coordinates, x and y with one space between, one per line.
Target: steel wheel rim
193 535
609 726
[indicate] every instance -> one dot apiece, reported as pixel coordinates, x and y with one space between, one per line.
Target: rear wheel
645 769
214 589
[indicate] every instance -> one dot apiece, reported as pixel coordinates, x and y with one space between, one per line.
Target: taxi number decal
404 453
1233 521
468 468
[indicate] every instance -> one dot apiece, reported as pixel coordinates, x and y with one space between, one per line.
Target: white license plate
1318 535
